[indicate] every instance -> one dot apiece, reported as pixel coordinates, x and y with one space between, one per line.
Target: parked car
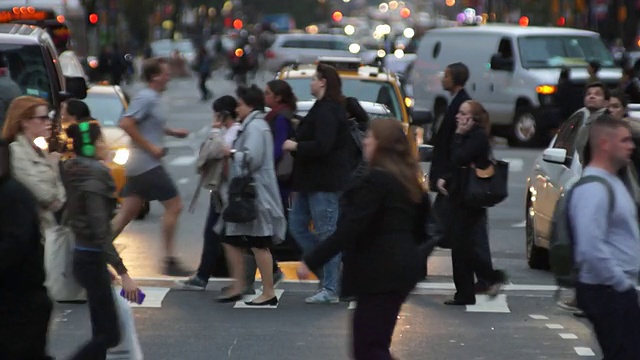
289 49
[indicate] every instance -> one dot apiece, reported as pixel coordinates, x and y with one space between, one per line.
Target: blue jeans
321 208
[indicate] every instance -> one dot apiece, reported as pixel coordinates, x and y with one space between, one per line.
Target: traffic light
562 21
93 19
237 24
524 21
336 16
405 13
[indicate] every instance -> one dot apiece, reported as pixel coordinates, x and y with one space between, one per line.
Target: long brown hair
333 90
21 108
480 115
393 153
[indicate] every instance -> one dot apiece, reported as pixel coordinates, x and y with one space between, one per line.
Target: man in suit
454 79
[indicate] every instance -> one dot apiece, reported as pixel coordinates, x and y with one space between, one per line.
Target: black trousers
90 269
373 323
615 317
470 225
212 247
202 84
23 330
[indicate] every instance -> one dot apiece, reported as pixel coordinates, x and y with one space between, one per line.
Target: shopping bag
129 347
58 262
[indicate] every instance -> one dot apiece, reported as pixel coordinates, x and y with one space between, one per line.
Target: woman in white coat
253 146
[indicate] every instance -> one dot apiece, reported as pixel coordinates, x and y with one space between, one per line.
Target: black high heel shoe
271 302
229 299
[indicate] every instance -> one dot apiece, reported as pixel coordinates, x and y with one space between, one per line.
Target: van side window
436 49
505 49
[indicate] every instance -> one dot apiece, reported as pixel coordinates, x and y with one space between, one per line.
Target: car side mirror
421 117
555 156
500 63
425 153
76 87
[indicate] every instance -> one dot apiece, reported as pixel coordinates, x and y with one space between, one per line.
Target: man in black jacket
454 79
25 307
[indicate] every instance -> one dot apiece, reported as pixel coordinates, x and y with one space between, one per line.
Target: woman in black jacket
379 230
90 205
320 173
471 147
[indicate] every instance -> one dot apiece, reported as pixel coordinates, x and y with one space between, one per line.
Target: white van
514 71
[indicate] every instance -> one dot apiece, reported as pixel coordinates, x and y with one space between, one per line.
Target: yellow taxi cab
366 83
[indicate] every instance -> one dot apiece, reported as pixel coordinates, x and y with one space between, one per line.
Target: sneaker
173 268
568 305
323 296
192 283
247 291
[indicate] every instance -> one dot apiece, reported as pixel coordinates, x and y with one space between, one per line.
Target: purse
485 187
284 168
241 207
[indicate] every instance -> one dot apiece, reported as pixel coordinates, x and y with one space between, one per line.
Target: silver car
288 49
554 171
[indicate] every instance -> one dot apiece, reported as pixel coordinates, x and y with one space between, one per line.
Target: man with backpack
604 231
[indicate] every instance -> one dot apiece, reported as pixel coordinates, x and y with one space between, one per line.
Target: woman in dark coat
471 147
379 230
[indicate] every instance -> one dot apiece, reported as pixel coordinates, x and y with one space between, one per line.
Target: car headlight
121 156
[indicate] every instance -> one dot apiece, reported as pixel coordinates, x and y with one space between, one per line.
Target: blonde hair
21 108
480 115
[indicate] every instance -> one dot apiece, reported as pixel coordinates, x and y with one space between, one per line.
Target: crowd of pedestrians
346 189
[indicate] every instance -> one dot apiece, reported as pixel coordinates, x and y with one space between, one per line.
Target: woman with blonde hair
381 224
27 120
471 147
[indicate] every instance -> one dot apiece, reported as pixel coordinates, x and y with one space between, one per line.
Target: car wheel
146 207
537 257
525 129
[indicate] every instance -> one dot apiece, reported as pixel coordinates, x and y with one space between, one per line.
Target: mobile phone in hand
140 297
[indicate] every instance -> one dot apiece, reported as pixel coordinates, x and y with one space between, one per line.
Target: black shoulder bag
242 195
485 187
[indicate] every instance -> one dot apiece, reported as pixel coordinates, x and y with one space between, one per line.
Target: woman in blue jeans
320 173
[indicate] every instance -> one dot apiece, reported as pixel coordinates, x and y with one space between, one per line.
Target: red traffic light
524 21
405 13
93 18
237 24
336 16
561 21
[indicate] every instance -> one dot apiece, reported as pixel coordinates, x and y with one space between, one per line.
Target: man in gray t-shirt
147 180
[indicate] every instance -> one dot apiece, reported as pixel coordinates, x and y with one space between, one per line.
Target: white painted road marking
183 161
352 305
538 317
584 351
520 224
486 304
241 305
568 336
555 326
153 296
183 181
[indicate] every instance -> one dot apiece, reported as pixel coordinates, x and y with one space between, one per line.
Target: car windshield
164 48
106 108
364 90
559 51
25 73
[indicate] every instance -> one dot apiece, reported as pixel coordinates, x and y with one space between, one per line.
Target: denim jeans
90 269
321 208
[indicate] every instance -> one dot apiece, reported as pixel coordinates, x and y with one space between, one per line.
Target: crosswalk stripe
584 351
488 305
153 296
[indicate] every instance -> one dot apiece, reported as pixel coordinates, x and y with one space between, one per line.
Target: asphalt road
524 323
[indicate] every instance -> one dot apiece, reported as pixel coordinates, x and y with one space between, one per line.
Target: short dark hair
226 105
152 67
283 89
620 95
595 65
598 84
78 109
459 73
252 96
75 134
333 90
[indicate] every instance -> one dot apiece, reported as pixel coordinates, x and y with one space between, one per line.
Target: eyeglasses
42 118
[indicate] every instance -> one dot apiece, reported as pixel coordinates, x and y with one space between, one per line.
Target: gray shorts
155 184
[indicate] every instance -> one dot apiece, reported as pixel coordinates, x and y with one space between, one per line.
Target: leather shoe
459 302
229 299
271 302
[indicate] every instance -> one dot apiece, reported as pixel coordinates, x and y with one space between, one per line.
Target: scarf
270 117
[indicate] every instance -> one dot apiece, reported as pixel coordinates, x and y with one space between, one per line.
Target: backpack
561 244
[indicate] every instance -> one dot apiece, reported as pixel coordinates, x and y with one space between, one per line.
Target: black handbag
485 187
242 197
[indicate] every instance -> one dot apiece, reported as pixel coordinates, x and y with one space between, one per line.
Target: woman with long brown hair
27 120
379 229
471 147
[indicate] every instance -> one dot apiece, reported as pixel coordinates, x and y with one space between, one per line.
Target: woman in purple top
279 96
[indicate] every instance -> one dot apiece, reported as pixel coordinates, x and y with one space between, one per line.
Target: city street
522 323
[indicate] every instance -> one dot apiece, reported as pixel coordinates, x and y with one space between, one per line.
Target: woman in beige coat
27 120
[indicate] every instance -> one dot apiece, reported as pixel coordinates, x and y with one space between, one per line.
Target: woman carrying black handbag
470 149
